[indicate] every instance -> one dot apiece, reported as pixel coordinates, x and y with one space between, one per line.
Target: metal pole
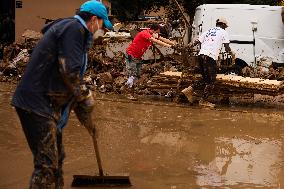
254 47
254 28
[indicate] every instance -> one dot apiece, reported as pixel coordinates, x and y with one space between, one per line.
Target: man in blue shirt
52 85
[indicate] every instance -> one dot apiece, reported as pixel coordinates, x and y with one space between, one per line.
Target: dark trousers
208 69
45 142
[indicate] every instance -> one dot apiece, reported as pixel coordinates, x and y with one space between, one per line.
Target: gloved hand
82 92
86 101
83 110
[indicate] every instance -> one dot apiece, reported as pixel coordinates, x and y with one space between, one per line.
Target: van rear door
270 34
240 30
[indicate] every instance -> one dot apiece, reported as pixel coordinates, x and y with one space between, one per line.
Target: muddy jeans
208 69
45 142
133 69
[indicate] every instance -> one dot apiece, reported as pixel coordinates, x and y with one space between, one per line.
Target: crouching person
211 43
51 85
142 41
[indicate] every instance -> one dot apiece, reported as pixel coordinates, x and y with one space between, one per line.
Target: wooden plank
224 82
169 73
272 82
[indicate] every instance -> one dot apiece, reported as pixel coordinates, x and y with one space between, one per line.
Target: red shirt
140 44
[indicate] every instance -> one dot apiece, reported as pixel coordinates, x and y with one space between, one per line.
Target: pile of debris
16 56
265 69
109 74
105 73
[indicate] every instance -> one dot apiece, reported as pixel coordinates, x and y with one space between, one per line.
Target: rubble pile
104 73
16 56
264 69
109 74
107 70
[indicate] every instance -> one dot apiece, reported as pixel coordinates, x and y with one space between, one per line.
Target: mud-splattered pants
133 69
45 142
208 69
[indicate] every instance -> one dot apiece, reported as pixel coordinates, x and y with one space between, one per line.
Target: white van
254 30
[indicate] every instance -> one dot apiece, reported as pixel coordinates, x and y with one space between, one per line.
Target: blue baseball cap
98 9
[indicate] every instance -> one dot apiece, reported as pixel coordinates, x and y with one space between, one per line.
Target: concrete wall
29 16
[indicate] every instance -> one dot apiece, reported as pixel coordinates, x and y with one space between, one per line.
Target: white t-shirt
212 41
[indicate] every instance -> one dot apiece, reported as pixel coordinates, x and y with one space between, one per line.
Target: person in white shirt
211 43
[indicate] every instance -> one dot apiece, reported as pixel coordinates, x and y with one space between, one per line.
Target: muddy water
161 146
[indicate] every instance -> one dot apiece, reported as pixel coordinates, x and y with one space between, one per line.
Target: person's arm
227 48
70 58
165 40
159 42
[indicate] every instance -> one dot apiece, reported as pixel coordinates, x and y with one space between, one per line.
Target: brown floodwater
161 145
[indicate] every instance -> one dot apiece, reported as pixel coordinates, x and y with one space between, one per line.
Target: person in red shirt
142 41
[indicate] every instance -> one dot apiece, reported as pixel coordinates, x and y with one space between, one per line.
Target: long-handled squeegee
101 180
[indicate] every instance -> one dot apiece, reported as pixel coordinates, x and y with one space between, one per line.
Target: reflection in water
173 139
160 146
242 161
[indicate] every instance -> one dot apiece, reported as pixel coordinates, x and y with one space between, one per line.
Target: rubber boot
188 92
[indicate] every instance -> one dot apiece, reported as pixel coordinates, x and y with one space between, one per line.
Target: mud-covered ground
161 145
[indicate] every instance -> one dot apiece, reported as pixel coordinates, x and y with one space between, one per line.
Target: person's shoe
205 103
131 97
188 92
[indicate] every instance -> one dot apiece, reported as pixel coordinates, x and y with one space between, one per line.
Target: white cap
222 20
